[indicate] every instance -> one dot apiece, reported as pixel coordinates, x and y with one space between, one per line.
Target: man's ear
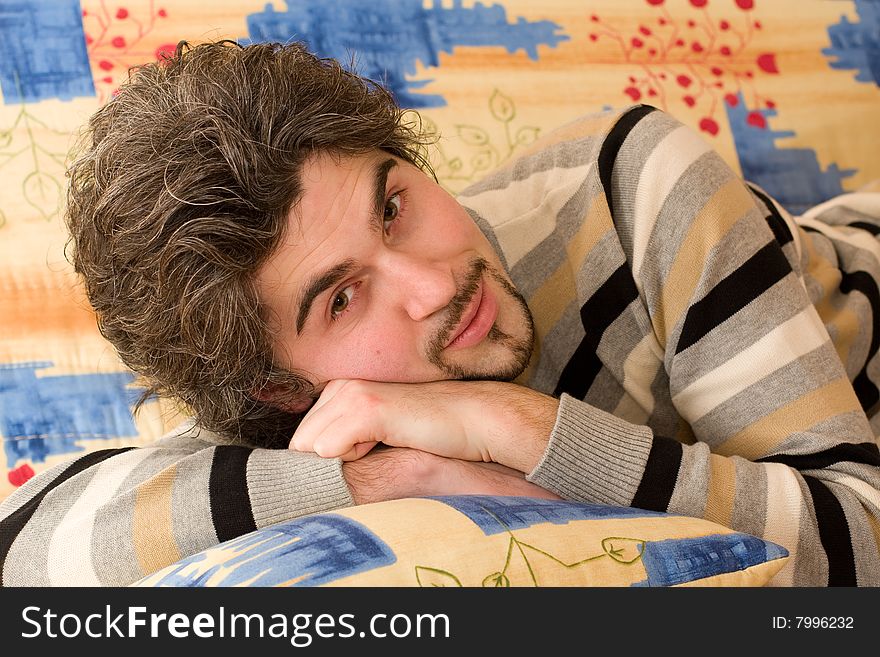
281 397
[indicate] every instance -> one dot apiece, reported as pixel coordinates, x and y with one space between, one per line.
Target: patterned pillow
477 541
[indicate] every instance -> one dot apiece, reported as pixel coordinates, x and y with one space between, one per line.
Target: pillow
476 540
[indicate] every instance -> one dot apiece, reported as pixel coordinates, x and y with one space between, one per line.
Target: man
259 241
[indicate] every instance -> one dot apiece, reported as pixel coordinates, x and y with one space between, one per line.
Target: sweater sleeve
111 517
777 443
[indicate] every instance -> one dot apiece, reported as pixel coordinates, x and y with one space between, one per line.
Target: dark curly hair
182 191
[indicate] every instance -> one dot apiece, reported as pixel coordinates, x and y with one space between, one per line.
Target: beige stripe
783 345
875 528
69 558
588 126
861 239
722 490
525 212
663 169
762 437
639 370
727 206
153 537
843 320
863 489
864 202
551 299
784 511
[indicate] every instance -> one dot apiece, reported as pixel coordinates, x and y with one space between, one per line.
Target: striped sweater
714 358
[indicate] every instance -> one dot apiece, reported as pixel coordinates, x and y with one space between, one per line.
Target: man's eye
392 210
341 302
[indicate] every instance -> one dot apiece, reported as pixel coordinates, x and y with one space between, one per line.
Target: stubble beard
519 349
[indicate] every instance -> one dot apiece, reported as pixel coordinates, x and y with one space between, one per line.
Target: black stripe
231 509
611 146
11 526
834 534
597 314
864 453
874 229
742 286
775 221
661 473
866 390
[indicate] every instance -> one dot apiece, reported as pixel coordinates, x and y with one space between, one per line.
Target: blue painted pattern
309 551
792 176
43 51
495 514
857 45
387 37
40 416
681 560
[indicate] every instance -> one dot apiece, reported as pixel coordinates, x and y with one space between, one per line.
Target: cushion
482 541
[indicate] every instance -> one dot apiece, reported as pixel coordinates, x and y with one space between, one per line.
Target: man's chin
497 362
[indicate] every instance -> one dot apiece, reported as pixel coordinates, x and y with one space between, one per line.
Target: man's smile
477 319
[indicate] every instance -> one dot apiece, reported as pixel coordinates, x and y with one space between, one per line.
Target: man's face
383 276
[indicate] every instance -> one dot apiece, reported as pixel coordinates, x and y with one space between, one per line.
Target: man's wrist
517 422
387 474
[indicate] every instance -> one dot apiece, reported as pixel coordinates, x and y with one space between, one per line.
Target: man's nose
423 286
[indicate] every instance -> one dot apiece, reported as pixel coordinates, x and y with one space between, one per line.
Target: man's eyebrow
380 178
318 284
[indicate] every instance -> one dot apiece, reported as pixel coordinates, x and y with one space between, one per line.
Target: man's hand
470 420
394 473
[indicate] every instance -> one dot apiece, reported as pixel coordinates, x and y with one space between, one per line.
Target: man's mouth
477 319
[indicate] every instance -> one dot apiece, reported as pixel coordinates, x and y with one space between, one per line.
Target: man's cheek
372 362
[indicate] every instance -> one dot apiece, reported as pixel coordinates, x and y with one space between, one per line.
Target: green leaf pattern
623 550
486 153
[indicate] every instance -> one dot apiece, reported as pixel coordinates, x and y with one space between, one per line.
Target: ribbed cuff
592 456
284 484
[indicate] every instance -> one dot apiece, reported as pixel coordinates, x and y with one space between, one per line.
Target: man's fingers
332 434
316 421
359 450
327 395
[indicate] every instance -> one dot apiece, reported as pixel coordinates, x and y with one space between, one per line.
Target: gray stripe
844 428
602 261
565 336
810 563
29 489
622 336
864 545
750 503
858 350
606 391
664 419
840 215
27 559
113 550
692 486
542 261
776 306
689 195
634 152
191 504
563 155
774 391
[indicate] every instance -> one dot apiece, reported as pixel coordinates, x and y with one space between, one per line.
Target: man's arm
113 516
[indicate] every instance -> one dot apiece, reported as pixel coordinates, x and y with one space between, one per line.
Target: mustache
459 303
